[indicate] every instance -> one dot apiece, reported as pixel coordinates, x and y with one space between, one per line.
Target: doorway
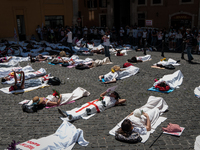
21 27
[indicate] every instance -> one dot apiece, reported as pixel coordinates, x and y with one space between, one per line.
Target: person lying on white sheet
4 59
117 74
22 84
96 106
141 120
10 78
37 58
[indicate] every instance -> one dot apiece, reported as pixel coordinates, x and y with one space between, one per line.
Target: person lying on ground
48 101
162 86
134 60
37 58
96 106
5 60
111 77
21 83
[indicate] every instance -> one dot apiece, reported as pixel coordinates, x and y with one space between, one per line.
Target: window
156 1
92 3
103 3
141 2
53 21
186 1
141 19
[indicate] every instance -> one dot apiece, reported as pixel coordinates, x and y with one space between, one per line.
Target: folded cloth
172 128
154 107
5 71
173 80
28 75
6 90
65 137
157 90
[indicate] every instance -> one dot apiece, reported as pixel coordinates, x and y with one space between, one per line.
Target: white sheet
144 58
5 71
63 139
6 89
129 71
152 103
29 75
168 62
173 80
197 143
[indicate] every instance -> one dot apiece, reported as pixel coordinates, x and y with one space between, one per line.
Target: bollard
162 51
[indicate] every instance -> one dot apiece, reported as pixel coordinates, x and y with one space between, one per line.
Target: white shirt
144 34
69 35
121 32
85 30
109 101
110 76
106 41
135 32
140 130
160 36
39 30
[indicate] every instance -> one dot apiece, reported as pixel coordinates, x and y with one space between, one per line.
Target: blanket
66 97
154 103
29 75
14 61
5 71
157 90
129 71
197 92
173 80
64 138
168 62
98 62
6 89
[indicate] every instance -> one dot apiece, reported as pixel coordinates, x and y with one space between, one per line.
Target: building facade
26 15
153 13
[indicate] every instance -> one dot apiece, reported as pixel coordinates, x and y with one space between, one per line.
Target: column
110 13
133 12
75 11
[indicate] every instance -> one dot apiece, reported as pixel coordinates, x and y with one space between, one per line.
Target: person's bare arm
148 126
103 94
55 103
23 80
113 81
120 101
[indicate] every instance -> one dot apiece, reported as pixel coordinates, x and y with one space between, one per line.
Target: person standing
39 30
189 45
106 42
69 40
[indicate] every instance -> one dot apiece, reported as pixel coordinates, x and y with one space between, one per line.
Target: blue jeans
70 47
189 53
107 52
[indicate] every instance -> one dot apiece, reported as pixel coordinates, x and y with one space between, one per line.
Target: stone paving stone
183 105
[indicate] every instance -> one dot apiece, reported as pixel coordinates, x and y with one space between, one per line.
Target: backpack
170 66
127 65
31 108
54 81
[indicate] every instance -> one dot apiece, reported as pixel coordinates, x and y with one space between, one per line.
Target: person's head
115 95
188 30
115 68
68 29
36 100
126 126
134 59
163 84
3 79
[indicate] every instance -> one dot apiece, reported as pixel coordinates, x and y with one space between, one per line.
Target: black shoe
192 58
162 55
177 61
64 114
182 58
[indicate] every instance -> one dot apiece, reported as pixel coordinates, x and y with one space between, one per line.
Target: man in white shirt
69 40
106 42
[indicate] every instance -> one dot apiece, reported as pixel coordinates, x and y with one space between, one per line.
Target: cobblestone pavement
183 105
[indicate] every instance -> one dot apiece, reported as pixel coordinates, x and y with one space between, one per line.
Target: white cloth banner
154 107
63 139
173 80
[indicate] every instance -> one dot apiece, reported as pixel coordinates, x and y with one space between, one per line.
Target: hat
115 68
36 100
